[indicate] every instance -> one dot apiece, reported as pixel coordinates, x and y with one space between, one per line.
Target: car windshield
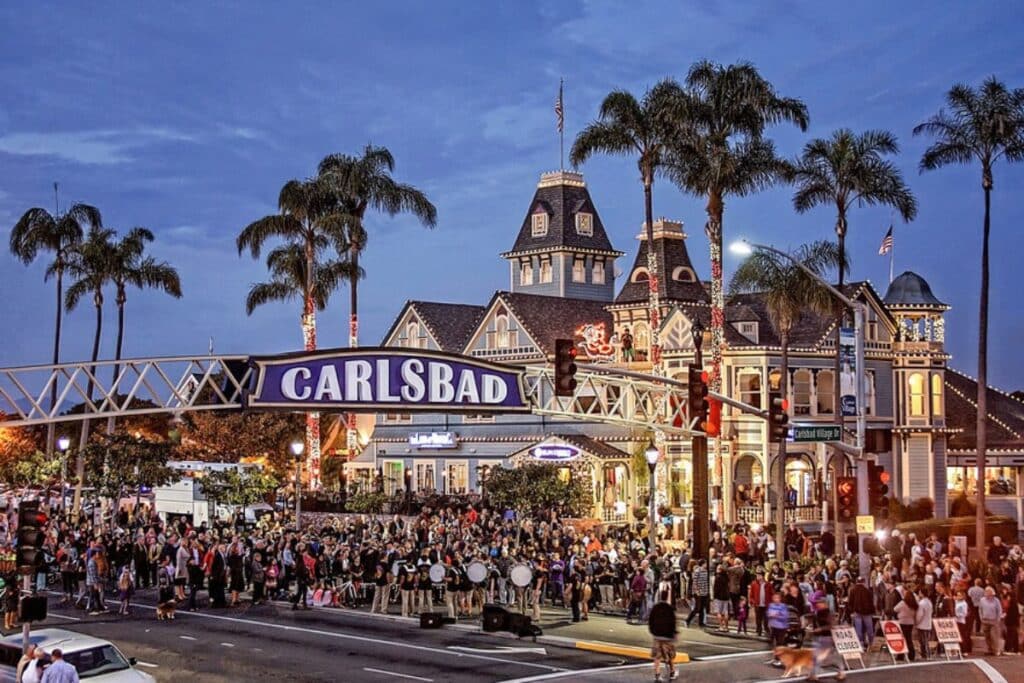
96 661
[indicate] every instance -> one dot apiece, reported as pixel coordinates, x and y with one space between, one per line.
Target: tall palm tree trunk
715 211
979 521
654 314
51 429
83 438
837 405
780 471
309 337
117 356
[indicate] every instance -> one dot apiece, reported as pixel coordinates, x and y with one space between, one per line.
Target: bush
962 506
1004 527
369 502
916 510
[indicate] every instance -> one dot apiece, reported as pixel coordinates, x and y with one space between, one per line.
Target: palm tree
288 281
91 264
983 125
130 266
789 293
39 230
357 185
844 171
719 150
628 127
308 224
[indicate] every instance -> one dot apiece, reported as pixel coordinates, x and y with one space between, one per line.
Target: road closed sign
894 639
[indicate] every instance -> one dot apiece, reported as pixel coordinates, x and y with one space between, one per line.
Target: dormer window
585 224
579 269
540 224
526 273
598 277
545 270
748 330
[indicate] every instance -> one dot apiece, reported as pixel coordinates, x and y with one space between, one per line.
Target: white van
94 659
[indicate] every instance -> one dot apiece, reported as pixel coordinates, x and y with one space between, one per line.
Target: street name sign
378 380
813 433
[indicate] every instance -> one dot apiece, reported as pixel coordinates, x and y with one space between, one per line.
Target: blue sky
189 119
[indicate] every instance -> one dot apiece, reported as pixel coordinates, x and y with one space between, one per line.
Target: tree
38 230
308 223
789 293
238 487
91 264
844 171
21 462
358 184
983 126
627 127
231 436
537 486
116 463
719 150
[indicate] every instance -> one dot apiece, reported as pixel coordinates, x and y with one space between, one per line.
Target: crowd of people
459 558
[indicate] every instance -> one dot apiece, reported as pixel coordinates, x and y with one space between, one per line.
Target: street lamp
744 248
63 444
297 448
652 463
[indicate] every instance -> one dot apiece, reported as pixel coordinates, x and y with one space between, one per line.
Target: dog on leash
165 610
796 661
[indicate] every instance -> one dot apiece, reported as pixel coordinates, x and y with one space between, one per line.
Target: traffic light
878 489
697 398
778 418
565 367
30 536
846 490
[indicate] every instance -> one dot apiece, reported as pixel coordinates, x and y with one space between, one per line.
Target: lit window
802 392
477 418
579 270
598 276
869 392
750 388
936 394
425 480
545 271
826 392
540 224
584 224
397 417
457 477
916 383
526 273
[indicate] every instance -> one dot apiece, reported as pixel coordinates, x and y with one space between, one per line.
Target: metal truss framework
176 384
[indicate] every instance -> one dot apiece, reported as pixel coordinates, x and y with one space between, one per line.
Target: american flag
886 246
558 109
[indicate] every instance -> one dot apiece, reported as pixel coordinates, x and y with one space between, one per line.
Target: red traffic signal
846 493
30 536
778 417
697 398
565 367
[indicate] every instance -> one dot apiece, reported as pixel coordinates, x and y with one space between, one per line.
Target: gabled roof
547 318
1005 423
449 324
670 255
561 195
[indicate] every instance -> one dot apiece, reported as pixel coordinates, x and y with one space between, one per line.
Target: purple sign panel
377 380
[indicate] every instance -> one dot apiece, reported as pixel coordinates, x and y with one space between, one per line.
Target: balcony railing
750 514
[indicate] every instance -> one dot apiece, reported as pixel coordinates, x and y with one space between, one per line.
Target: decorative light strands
653 309
312 419
717 308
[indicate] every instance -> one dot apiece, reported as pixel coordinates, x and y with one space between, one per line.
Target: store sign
376 379
433 440
554 453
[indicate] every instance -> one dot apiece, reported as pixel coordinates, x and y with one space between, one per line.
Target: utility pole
699 461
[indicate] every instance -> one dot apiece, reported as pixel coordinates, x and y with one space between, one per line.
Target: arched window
526 273
641 337
750 387
640 275
826 392
802 392
774 377
504 336
683 274
936 394
545 270
412 335
916 384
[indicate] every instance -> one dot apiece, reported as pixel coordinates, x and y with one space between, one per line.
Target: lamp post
63 444
652 463
859 315
297 448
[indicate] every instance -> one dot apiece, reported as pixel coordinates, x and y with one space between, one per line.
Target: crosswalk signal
778 418
878 489
846 490
30 536
565 367
697 390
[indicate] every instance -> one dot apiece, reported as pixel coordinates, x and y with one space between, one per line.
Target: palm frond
267 292
255 235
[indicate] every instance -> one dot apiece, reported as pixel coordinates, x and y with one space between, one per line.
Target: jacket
860 600
755 591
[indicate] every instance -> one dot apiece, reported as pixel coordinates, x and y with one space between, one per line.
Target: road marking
501 650
147 665
731 655
61 616
393 673
986 668
187 638
227 644
579 672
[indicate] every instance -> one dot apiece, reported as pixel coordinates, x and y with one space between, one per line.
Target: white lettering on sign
494 389
414 388
288 382
554 453
432 440
328 388
467 389
440 377
357 381
384 394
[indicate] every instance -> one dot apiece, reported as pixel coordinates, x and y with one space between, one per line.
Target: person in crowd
990 613
662 625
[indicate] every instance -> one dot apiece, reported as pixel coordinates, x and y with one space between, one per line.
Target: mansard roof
451 325
911 290
561 195
1004 426
673 260
547 318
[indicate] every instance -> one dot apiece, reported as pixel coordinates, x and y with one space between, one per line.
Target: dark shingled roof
669 254
593 446
451 325
547 318
1005 424
910 289
562 201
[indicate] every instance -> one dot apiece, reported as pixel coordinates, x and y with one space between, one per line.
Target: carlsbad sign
376 380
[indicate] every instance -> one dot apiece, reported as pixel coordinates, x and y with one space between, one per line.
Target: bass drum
396 567
521 575
477 572
437 571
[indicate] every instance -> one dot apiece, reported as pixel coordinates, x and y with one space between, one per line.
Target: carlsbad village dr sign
375 379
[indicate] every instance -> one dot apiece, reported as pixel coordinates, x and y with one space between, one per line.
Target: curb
626 651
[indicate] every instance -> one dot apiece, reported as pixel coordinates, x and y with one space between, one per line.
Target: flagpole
561 128
892 249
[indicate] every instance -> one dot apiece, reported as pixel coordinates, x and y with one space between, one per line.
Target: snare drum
477 572
521 575
437 571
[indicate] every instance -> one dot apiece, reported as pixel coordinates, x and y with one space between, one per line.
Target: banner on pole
847 371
